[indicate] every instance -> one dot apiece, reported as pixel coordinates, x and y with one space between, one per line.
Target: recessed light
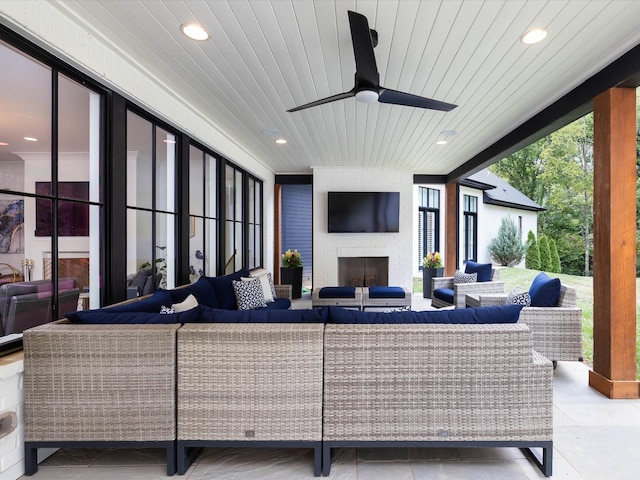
441 142
194 31
270 132
3 144
533 35
31 139
280 141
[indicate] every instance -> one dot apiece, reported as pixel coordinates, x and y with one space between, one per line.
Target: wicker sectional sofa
317 379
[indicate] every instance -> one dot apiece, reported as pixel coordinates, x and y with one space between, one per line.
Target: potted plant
432 267
291 272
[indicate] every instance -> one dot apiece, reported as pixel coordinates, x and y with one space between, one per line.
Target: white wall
489 219
327 247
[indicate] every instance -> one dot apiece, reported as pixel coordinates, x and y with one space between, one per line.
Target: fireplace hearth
363 271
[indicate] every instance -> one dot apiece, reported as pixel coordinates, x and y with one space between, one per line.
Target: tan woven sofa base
471 385
250 385
98 386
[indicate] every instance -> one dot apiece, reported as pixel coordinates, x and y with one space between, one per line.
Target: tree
545 254
532 258
507 248
555 258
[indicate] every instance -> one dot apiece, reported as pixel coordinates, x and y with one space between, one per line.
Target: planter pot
427 275
292 276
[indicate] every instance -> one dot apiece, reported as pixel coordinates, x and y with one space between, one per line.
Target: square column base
614 388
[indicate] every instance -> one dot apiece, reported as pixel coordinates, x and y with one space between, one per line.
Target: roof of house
497 191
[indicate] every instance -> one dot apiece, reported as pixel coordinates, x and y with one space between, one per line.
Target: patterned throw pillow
164 310
249 294
264 282
518 297
460 277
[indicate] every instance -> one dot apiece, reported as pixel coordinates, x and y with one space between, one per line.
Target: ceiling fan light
533 35
367 96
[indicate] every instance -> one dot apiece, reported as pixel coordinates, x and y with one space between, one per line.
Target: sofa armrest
462 289
283 291
556 331
441 282
490 300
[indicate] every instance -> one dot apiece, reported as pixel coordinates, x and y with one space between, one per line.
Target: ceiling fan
367 83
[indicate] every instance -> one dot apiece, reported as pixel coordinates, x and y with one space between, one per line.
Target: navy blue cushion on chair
337 292
386 292
444 294
262 315
544 291
482 269
106 316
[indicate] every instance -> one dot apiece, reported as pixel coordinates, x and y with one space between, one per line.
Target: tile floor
594 439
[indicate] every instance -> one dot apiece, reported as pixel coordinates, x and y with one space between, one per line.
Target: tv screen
363 212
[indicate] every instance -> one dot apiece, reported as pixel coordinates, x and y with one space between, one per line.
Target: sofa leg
30 459
326 459
317 460
171 459
545 464
186 456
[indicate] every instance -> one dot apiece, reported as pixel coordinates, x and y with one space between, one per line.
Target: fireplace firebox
363 271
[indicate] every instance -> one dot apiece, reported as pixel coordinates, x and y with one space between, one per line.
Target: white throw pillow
187 304
249 294
265 283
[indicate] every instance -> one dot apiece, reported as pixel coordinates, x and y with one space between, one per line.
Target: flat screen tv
363 212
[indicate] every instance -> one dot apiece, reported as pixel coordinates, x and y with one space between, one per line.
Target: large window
470 228
51 200
151 206
428 222
203 214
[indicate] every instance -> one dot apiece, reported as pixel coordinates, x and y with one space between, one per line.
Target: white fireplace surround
327 247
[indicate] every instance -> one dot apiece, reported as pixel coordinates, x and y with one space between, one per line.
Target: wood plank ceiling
267 56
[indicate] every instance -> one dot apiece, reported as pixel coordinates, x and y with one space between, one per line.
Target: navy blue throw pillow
202 290
215 315
149 305
482 269
544 291
224 288
105 316
500 314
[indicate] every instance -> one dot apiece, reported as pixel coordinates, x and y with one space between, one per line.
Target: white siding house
484 200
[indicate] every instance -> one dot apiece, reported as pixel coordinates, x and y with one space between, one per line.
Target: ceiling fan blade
401 98
366 68
333 98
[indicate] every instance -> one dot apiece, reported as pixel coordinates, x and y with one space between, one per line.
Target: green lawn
520 277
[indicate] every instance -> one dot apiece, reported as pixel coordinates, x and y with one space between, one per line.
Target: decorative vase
292 276
427 274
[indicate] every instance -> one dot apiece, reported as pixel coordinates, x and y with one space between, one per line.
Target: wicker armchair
460 290
557 331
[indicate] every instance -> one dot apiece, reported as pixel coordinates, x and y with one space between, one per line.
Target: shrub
532 258
545 254
507 248
555 258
